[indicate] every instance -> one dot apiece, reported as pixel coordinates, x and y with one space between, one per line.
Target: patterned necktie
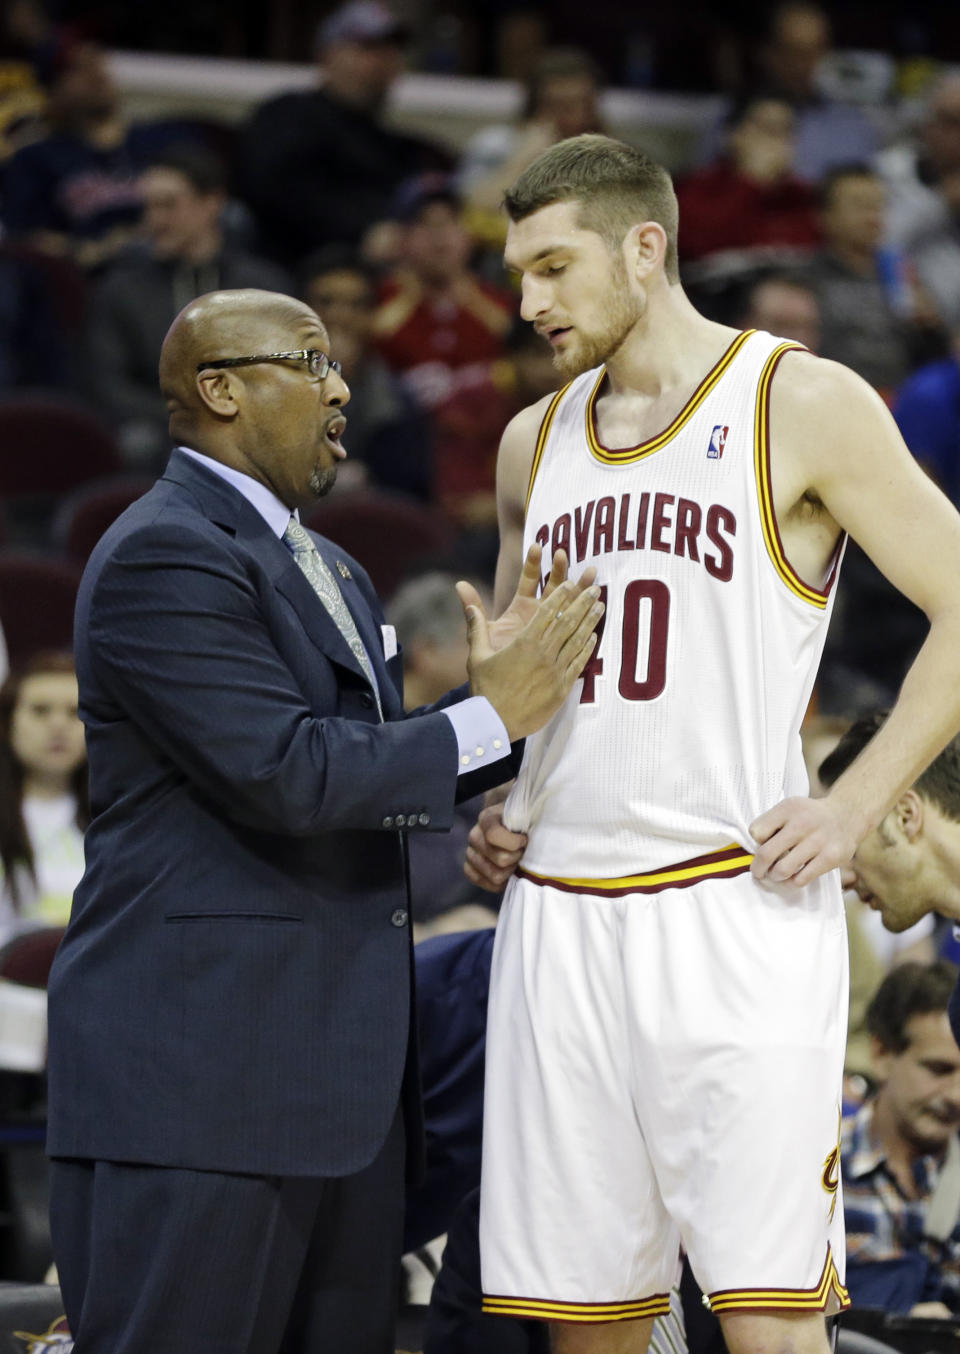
324 584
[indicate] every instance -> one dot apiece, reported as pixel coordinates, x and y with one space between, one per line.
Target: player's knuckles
763 858
479 857
502 838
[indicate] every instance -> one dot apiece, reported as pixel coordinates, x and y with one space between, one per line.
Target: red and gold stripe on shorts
584 1312
786 1299
723 864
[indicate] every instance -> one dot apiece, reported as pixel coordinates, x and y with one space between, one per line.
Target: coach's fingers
577 647
554 611
572 627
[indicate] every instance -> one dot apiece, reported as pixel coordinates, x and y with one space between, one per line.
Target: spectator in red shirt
389 440
750 196
437 322
469 425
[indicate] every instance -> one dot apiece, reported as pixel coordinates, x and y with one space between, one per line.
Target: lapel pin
342 569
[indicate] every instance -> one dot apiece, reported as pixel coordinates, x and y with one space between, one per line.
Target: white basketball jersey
685 725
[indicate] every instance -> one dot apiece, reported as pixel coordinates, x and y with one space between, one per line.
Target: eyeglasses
319 364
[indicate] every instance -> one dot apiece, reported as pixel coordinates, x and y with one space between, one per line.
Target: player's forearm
924 718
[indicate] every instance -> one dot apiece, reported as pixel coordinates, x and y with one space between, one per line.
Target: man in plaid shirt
901 1155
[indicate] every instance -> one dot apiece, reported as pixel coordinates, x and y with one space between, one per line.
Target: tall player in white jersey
668 1001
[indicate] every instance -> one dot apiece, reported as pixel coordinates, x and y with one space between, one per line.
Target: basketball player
668 1007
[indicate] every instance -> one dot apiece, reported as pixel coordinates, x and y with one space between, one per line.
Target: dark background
686 46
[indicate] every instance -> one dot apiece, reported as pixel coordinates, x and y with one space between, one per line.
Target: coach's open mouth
335 430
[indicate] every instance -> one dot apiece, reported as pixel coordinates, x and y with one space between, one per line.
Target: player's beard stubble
622 310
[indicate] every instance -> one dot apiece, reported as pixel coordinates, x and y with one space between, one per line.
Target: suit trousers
159 1260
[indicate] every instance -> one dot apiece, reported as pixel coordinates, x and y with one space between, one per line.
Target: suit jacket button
401 820
387 822
366 699
399 918
424 819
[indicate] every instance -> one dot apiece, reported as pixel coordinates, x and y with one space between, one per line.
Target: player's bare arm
493 850
514 463
838 463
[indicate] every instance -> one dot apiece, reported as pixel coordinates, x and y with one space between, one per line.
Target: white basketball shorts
663 1070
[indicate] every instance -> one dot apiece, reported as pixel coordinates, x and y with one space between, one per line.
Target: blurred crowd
819 206
822 205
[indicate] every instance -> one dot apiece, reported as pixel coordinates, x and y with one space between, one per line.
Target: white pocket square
389 641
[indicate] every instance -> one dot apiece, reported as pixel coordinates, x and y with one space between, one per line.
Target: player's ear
909 811
646 248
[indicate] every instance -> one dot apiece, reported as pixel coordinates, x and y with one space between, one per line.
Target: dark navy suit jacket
233 991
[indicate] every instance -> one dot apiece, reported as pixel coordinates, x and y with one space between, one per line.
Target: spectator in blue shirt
75 190
901 1156
927 411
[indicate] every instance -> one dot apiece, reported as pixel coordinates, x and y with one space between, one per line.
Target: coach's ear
217 390
645 248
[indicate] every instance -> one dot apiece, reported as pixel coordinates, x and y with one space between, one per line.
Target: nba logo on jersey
718 440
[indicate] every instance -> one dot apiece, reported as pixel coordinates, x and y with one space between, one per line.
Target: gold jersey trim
725 863
786 1299
542 435
627 455
817 597
582 1312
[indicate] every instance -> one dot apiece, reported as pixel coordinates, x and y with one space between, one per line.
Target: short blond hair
615 185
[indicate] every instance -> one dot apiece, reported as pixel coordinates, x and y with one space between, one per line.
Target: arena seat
871 1330
389 534
37 597
66 284
26 958
84 515
51 444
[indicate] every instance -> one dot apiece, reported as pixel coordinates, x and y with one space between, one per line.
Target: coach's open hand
528 679
525 601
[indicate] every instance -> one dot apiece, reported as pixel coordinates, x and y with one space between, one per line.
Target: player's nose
534 299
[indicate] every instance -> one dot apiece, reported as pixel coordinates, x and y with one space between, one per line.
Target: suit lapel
319 625
226 506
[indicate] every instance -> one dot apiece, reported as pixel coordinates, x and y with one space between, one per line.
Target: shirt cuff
481 734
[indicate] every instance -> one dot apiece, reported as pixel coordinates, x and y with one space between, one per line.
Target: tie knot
296 538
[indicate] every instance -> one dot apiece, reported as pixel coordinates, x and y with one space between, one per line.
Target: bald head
220 324
277 415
